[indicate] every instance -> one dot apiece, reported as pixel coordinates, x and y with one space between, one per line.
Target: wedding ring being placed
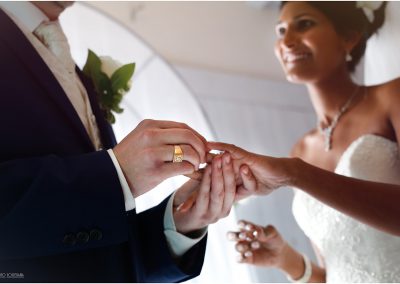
178 154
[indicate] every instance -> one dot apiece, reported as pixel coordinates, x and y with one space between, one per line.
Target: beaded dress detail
353 251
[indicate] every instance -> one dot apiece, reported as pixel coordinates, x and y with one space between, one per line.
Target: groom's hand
145 155
246 183
200 203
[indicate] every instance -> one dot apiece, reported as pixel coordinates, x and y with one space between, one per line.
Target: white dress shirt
28 17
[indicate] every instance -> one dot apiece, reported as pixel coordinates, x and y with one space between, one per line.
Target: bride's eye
304 24
280 31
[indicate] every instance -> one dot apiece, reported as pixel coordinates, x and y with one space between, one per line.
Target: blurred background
211 65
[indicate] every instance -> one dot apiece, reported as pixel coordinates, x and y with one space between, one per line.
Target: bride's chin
295 79
300 77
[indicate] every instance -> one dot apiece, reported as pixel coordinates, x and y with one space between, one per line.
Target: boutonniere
111 80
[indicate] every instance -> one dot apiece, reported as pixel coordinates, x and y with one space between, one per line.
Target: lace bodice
353 251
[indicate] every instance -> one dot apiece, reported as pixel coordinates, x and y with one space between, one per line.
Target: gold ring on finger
178 154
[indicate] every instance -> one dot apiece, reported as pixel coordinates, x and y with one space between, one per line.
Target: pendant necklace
328 131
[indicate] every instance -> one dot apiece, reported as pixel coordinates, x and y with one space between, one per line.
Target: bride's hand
259 174
257 245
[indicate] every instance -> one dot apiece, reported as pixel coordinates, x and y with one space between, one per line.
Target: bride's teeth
295 57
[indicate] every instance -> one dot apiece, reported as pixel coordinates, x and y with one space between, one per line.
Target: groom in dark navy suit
67 210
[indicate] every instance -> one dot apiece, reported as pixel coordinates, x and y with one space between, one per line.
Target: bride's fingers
236 152
269 232
246 257
261 234
251 232
242 247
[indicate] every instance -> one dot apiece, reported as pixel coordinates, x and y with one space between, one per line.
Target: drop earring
348 57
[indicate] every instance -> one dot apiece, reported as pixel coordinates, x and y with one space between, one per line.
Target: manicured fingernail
231 236
239 258
249 239
240 248
255 245
248 227
245 170
242 236
241 224
255 234
248 253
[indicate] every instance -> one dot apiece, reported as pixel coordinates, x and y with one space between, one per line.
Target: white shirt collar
25 12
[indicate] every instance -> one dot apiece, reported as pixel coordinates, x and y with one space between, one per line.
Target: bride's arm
373 203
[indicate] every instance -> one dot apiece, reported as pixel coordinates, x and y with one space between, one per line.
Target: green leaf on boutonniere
120 78
109 90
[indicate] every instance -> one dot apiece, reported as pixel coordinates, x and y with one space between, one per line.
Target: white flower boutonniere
369 8
112 81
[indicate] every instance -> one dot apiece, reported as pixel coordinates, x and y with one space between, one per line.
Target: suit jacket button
69 239
82 237
96 235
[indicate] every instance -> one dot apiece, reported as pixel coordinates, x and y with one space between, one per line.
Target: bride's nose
289 40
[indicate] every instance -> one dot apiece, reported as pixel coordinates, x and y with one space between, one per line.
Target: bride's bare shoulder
386 95
301 147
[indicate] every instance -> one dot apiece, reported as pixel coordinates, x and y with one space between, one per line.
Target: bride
347 169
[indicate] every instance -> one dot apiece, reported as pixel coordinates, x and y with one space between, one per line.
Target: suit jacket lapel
106 132
13 36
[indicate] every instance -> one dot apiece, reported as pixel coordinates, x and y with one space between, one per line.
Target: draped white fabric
382 60
157 93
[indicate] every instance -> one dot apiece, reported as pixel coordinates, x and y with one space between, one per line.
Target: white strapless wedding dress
353 251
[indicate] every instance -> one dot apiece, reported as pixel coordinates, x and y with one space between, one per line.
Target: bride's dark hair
347 17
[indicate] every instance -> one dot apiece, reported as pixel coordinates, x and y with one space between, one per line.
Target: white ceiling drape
382 60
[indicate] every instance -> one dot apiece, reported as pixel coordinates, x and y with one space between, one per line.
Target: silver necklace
328 131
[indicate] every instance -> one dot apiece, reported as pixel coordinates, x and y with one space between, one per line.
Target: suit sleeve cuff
128 197
178 243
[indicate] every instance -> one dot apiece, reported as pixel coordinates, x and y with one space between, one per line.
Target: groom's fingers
197 175
249 181
217 192
229 182
185 192
203 197
166 124
166 154
183 136
167 170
